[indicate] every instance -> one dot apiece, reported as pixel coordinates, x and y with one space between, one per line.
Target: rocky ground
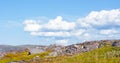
57 50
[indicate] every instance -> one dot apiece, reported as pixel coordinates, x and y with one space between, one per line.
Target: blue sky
63 22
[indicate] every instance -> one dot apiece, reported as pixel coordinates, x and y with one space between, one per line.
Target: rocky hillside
37 52
89 45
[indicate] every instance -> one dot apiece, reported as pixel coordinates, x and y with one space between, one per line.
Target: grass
21 56
102 55
107 54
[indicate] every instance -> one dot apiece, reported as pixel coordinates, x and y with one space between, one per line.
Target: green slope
102 55
107 54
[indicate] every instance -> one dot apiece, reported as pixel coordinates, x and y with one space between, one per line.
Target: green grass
102 55
21 56
105 54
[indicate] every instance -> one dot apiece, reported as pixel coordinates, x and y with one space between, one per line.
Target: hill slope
106 54
104 51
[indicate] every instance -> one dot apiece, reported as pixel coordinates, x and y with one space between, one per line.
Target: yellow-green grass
21 56
107 54
102 55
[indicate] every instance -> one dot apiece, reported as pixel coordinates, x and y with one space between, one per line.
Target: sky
63 22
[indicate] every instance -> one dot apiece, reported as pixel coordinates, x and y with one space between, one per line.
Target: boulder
116 44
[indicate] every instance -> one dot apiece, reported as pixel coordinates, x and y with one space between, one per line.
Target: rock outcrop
89 45
57 50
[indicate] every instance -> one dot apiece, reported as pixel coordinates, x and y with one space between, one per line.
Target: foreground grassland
107 54
102 55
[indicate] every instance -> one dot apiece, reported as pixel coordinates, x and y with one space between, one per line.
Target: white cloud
59 24
98 24
36 29
86 35
101 18
63 42
60 33
108 31
31 25
78 32
82 22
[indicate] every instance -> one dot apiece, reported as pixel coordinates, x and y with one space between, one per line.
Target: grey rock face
116 44
78 48
56 50
70 50
37 50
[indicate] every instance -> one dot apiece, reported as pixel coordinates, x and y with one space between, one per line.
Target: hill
103 51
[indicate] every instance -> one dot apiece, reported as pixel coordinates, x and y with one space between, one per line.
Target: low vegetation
21 56
107 54
102 55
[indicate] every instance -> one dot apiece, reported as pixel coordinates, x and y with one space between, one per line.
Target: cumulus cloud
60 33
108 31
59 24
98 24
53 24
32 25
86 35
56 27
101 18
104 22
78 32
